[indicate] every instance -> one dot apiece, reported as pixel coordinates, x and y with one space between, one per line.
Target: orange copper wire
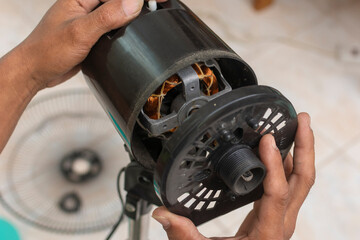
153 104
207 78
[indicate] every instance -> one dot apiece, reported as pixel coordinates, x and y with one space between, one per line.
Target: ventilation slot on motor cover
201 192
271 122
201 197
183 197
199 206
208 194
204 199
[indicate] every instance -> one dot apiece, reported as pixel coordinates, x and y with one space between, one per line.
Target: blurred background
310 51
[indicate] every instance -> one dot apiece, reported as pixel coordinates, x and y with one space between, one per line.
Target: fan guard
34 184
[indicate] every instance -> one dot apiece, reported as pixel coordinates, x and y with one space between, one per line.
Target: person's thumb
176 227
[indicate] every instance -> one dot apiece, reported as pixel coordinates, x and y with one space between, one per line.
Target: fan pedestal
139 226
139 199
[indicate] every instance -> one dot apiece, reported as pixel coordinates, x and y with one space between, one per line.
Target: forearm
54 51
16 90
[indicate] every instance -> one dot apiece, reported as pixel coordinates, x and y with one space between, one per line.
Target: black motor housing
127 65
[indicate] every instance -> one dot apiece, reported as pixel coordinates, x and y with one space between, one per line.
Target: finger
85 6
111 15
272 206
176 227
288 166
88 5
228 238
303 176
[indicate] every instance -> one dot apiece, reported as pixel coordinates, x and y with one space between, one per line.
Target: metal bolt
227 136
130 208
253 124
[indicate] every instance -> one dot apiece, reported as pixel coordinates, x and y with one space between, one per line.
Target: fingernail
163 221
131 7
273 143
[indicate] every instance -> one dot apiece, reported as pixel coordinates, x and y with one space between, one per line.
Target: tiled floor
303 48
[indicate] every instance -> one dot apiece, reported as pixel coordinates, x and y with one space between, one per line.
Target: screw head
130 208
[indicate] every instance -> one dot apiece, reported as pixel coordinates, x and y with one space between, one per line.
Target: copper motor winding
207 79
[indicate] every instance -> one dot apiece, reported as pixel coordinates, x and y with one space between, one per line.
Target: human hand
285 189
53 52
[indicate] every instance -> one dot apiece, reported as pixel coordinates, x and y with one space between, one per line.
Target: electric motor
188 108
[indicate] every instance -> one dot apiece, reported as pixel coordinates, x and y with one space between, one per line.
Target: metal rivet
130 208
